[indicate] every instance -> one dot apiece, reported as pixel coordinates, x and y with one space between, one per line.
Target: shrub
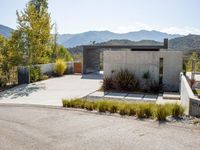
124 80
161 113
132 110
123 110
66 103
113 107
60 67
177 110
155 87
140 112
89 105
103 106
35 73
107 84
148 110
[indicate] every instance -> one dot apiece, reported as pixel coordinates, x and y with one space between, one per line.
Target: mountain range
5 31
74 41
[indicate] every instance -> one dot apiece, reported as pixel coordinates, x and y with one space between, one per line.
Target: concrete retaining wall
139 62
188 100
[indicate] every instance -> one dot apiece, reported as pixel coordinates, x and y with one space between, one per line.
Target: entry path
52 91
30 128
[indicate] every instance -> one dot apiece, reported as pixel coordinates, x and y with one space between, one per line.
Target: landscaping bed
140 110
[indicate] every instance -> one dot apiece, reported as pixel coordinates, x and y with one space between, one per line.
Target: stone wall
139 62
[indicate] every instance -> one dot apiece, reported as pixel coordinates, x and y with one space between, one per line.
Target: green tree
32 39
63 53
7 60
193 57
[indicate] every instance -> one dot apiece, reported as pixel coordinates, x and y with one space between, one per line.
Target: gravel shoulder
31 128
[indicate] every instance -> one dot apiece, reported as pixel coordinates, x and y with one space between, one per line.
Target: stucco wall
139 62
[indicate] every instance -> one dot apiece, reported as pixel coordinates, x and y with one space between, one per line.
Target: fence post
23 74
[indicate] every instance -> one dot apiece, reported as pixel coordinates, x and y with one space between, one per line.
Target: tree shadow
22 90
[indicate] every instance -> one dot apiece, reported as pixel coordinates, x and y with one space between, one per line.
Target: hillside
178 42
72 40
190 42
5 31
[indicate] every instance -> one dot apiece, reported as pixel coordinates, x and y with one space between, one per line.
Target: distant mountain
143 37
189 42
5 31
78 49
72 40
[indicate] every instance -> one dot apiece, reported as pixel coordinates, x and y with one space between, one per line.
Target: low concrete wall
48 69
188 100
139 62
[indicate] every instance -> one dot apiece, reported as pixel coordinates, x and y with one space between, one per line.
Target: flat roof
134 47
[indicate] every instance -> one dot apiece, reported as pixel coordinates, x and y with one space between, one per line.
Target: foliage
146 75
177 110
155 87
107 84
140 110
161 113
121 81
7 62
60 67
32 39
124 80
35 73
188 64
63 53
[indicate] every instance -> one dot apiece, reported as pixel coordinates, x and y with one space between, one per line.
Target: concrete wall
49 68
188 100
139 62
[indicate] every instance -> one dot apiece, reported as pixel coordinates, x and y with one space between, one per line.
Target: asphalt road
33 128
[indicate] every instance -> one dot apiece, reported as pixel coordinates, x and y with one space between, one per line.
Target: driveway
30 128
52 91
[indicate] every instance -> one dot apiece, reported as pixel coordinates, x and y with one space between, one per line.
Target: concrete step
171 96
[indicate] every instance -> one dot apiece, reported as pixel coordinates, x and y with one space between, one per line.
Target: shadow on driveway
22 90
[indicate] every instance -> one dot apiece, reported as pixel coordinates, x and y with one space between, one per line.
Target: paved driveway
31 128
51 91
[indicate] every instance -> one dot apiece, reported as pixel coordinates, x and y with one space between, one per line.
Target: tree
32 39
7 60
193 58
63 53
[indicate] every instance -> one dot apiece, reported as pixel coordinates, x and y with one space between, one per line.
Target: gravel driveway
30 128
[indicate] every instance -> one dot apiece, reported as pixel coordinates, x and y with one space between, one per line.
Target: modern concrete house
164 65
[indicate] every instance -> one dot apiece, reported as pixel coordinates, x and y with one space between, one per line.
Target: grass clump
177 110
60 67
161 113
145 110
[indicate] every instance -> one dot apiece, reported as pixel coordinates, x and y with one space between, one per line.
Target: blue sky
75 16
